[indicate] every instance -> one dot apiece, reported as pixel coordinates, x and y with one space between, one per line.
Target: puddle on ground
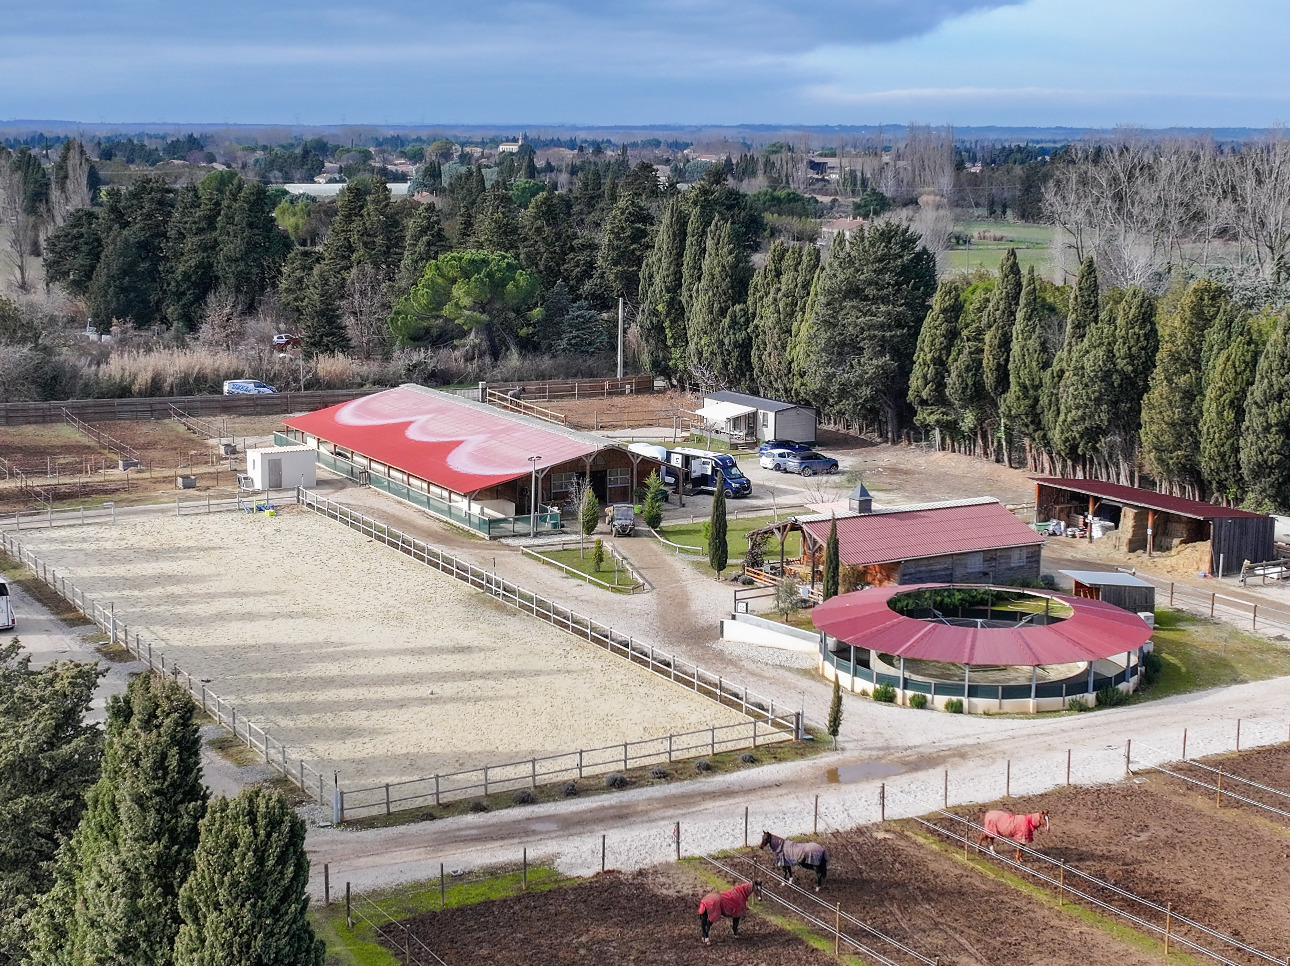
861 771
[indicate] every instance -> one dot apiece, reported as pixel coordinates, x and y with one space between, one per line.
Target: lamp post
533 500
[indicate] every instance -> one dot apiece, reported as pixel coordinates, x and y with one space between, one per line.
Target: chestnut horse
1004 825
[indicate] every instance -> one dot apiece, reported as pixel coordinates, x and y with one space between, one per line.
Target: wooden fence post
526 869
1218 801
1068 767
947 788
1238 734
816 826
1007 786
349 919
837 928
1169 921
443 892
882 801
326 884
746 825
1128 747
1184 754
1061 885
602 853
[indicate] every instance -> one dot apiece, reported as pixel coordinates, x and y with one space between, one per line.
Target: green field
584 563
1197 653
1031 242
691 535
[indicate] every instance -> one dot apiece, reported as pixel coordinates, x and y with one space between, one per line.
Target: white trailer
7 619
282 467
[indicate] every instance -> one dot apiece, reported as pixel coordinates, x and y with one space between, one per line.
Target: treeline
1190 389
113 851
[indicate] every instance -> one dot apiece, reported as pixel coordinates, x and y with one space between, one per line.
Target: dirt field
647 918
622 412
358 658
1167 842
940 907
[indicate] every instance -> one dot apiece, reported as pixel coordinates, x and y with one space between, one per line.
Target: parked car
247 387
774 459
806 464
787 444
286 340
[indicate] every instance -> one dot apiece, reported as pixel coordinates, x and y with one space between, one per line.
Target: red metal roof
1145 498
450 441
878 538
1096 630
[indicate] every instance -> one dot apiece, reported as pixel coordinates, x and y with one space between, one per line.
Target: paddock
357 658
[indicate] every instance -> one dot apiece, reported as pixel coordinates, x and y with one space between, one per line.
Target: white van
7 621
247 387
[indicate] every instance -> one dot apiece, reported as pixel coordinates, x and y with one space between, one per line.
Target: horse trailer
7 619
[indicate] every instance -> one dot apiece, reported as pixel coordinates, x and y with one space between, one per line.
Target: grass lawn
1198 653
19 575
691 535
1030 241
586 564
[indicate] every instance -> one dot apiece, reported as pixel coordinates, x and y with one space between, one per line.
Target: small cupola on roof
860 501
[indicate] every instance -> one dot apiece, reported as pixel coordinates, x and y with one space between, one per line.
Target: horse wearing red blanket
1004 825
732 903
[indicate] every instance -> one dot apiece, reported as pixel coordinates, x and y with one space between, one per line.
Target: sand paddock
358 658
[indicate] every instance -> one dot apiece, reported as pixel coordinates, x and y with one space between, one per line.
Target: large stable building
468 462
1148 522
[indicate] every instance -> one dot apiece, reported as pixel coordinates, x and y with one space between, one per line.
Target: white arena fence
109 512
276 754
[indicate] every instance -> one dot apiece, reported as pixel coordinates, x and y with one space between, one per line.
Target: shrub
954 705
570 789
703 765
658 771
1079 705
479 805
748 758
1152 665
524 797
616 780
1111 696
885 693
918 701
598 554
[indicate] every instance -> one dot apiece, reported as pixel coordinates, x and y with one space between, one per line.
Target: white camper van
7 621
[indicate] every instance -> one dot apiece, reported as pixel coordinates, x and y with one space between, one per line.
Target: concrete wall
750 629
297 466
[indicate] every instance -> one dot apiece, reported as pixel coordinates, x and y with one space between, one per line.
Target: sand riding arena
357 658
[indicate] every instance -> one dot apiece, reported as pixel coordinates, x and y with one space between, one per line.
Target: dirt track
646 917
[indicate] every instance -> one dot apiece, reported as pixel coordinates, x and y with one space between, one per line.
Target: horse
732 903
809 855
1020 828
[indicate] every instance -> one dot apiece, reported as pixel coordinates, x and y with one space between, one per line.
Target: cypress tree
251 246
1001 316
1085 310
189 272
928 391
662 315
322 330
1223 414
1171 407
1136 343
771 331
1022 406
696 235
1088 395
1083 315
832 565
835 710
718 338
423 242
246 901
546 236
1265 438
624 247
497 228
718 552
652 511
117 896
803 293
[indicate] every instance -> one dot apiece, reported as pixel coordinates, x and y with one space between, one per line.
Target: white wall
299 467
796 424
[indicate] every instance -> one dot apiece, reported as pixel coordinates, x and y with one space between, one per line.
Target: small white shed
754 417
281 467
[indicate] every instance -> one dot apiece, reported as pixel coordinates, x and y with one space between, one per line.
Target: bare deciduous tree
367 310
223 325
20 227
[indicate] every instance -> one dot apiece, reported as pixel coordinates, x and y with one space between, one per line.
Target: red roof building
962 541
456 456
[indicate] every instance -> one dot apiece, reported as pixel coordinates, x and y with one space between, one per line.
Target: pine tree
1022 406
1000 319
251 247
832 564
1223 413
117 895
546 236
835 710
928 390
870 300
424 241
1171 409
49 758
718 550
1265 438
322 331
652 511
189 272
246 901
624 247
497 226
718 337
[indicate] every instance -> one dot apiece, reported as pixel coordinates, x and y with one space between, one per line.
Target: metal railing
515 404
257 738
548 769
659 662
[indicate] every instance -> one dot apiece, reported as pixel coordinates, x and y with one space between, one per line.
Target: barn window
619 477
1018 556
563 482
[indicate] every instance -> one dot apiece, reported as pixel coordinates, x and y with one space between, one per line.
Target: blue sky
1092 63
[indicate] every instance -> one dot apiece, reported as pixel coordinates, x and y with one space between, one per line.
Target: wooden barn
1123 590
961 541
1147 522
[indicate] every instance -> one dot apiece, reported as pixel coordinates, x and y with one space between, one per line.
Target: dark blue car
787 444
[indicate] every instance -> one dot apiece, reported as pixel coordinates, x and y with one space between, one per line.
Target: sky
1079 63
